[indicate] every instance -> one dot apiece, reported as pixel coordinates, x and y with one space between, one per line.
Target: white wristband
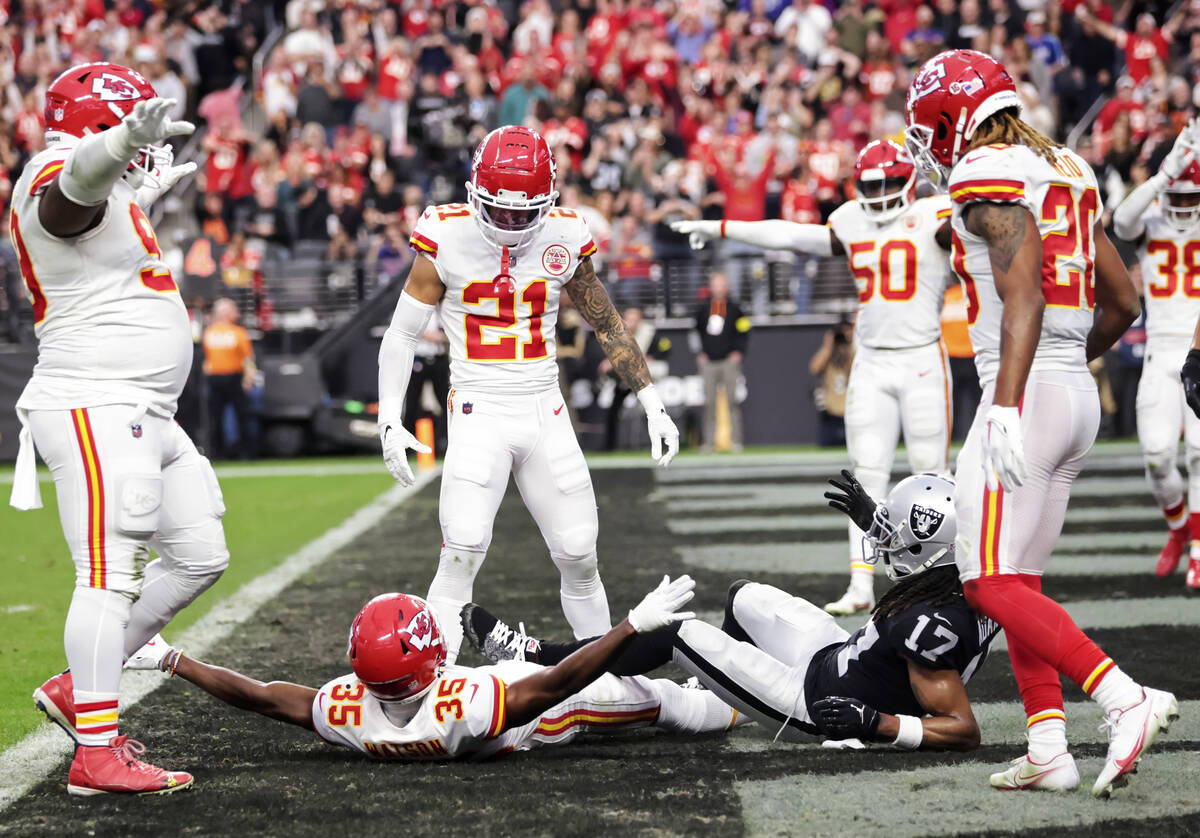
651 401
911 733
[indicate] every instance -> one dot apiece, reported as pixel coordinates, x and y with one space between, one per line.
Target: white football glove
661 606
1182 153
149 123
1003 448
396 441
152 655
698 232
165 175
663 432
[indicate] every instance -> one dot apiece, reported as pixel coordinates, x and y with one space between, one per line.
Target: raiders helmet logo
924 521
420 631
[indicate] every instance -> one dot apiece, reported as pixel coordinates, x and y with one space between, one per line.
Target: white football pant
529 436
1162 417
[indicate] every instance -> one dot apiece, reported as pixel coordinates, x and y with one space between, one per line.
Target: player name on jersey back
1171 275
900 271
1065 202
110 322
501 332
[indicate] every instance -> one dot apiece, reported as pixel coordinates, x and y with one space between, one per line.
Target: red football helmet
949 98
396 647
512 185
1181 199
90 98
885 180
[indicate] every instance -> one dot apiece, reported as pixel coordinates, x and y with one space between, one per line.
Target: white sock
691 711
450 590
94 641
584 602
1047 739
862 584
1117 691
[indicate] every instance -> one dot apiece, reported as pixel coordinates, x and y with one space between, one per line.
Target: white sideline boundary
27 762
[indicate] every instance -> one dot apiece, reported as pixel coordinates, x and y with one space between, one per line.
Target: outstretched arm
291 703
528 698
773 234
1116 299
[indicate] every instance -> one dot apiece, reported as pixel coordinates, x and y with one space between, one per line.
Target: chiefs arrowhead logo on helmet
396 647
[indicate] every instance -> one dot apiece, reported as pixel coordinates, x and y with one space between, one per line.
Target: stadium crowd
656 111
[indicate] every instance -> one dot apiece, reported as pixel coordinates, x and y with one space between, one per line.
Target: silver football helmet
915 526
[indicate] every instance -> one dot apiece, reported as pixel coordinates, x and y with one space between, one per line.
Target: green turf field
267 519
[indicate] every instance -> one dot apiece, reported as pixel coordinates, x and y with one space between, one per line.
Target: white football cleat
851 603
1130 733
1024 774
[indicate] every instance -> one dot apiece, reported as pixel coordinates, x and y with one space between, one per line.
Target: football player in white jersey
896 246
404 702
114 351
1163 217
494 268
1039 270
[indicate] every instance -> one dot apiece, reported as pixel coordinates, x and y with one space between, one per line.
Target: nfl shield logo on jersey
467 408
924 521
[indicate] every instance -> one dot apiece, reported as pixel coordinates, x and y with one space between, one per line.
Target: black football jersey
872 664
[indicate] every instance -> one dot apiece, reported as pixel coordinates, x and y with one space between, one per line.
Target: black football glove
852 499
1190 375
846 718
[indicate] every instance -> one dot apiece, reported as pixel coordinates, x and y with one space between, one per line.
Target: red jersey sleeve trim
498 720
48 173
588 249
420 243
987 190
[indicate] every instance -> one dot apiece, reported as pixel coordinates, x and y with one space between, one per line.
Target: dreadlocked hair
1006 127
933 587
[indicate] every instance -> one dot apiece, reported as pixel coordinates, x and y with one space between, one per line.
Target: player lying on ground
403 702
1162 217
896 246
787 664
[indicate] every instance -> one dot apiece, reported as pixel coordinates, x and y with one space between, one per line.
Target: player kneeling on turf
403 702
784 662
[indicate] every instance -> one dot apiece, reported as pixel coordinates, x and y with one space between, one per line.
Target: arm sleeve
94 165
396 354
782 235
1127 217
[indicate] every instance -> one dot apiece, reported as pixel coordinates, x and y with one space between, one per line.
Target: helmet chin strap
503 281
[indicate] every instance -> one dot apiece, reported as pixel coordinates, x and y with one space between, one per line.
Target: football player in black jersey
784 662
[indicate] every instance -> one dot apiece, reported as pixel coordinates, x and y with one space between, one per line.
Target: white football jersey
1065 203
461 715
900 271
501 335
110 323
1171 276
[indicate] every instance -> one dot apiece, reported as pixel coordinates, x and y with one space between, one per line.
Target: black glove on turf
846 718
852 499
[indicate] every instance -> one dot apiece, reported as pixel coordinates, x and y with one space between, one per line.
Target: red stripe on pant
98 574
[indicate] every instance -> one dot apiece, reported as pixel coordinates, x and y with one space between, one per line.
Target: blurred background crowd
328 125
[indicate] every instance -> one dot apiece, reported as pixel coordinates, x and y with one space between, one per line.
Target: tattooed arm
597 309
1015 249
625 356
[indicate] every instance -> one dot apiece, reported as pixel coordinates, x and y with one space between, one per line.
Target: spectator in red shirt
1146 43
745 195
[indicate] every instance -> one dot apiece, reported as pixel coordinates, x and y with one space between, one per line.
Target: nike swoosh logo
1025 779
972 159
558 409
923 374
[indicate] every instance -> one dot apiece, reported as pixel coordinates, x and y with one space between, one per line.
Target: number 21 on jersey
505 348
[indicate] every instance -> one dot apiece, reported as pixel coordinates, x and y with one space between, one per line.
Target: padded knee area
466 534
1160 462
927 453
579 542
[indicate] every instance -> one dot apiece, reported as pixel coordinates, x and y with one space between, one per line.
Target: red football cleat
1176 548
1193 574
56 698
115 769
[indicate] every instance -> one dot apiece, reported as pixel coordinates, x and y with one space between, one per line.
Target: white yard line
35 756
